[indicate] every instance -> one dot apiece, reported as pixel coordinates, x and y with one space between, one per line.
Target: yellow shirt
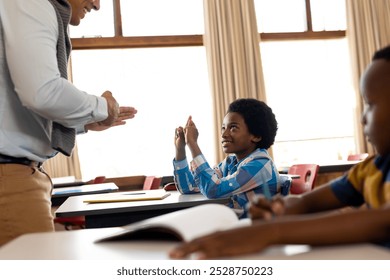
367 182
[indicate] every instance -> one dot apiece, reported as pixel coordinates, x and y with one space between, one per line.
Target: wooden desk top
79 245
341 166
75 206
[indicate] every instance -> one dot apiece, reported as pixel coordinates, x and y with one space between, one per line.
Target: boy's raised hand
180 143
179 138
190 131
263 208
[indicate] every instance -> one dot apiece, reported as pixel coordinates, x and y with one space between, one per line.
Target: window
96 24
281 16
307 78
159 82
166 85
160 18
150 61
315 103
328 15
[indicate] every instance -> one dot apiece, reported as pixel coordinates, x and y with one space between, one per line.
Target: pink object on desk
170 187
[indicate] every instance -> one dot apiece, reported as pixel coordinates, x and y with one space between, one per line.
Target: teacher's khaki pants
25 204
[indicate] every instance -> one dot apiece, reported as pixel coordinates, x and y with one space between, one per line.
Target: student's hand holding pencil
265 208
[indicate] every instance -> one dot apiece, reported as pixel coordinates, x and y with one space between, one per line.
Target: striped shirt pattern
239 180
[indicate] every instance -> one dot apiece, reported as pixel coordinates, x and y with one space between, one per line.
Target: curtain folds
368 29
232 46
62 166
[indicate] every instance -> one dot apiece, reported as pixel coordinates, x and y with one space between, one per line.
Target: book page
187 224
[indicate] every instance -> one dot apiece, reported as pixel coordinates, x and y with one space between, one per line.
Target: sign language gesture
117 115
186 136
191 132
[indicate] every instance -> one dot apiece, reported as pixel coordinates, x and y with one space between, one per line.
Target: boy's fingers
277 206
262 208
184 250
260 201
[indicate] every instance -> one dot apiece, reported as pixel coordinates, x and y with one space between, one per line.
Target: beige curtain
60 165
368 29
232 45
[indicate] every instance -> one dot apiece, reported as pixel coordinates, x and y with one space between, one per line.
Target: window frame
118 41
122 42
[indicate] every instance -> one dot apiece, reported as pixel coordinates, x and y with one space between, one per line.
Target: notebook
128 196
183 225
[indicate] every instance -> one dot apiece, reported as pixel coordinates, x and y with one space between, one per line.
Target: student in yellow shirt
304 219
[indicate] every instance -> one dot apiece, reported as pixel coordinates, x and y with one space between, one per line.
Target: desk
98 215
67 181
328 171
79 245
292 176
59 195
338 166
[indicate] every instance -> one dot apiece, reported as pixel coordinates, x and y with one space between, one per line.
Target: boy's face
375 86
236 137
80 8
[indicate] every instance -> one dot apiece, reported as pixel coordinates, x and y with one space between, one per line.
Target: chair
357 157
308 174
127 183
152 183
71 223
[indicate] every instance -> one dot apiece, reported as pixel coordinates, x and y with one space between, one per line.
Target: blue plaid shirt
239 180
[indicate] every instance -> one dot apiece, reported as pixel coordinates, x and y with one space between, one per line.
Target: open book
128 196
182 225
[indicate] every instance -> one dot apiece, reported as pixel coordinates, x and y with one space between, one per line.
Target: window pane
281 15
328 15
96 23
157 17
309 86
166 85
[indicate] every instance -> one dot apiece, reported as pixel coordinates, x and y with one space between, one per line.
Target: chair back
307 176
152 183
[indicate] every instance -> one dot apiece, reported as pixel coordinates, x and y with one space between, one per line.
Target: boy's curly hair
259 118
382 54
